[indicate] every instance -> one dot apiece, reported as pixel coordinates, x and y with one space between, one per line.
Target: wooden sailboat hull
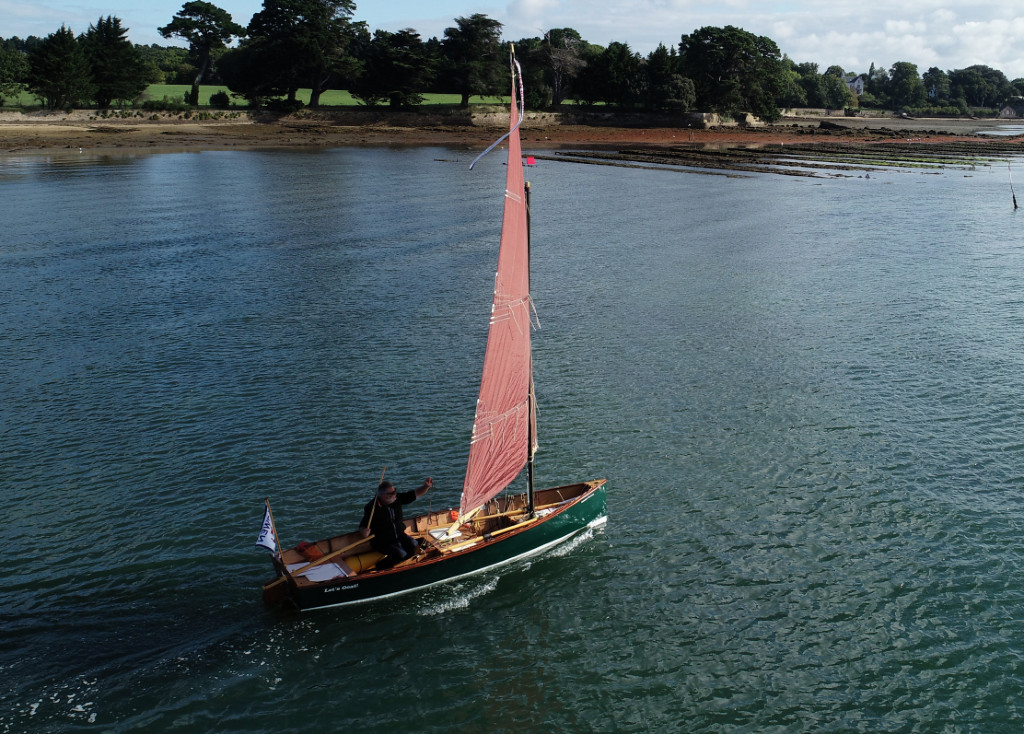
490 529
510 538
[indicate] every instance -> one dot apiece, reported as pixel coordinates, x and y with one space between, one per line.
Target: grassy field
330 98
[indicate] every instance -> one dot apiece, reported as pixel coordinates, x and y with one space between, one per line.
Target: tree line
317 45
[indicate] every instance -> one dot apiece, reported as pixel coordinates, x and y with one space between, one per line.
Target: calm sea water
805 394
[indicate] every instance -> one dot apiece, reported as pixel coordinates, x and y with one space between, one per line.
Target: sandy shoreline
36 133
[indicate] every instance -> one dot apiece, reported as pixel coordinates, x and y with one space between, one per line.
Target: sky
850 33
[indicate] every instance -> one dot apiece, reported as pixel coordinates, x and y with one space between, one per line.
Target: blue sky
851 33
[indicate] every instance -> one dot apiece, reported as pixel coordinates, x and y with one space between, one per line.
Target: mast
531 422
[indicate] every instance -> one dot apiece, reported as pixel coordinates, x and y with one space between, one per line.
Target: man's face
388 496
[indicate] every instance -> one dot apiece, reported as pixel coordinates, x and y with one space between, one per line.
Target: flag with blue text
268 538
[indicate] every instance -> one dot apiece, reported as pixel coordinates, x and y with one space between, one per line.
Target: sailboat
492 526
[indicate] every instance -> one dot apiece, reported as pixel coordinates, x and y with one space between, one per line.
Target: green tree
245 72
208 29
533 59
614 75
169 64
877 88
396 68
472 59
13 71
734 71
564 60
667 89
118 72
980 86
905 86
303 43
936 85
588 86
811 84
793 94
59 71
835 93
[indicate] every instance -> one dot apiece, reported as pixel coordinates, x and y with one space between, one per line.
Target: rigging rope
517 73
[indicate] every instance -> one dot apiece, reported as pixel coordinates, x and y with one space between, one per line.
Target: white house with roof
855 82
1013 109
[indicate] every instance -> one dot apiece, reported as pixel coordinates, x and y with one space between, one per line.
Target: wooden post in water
1010 172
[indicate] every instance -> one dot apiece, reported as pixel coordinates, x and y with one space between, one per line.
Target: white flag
267 539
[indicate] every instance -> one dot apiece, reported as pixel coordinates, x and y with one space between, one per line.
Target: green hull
587 510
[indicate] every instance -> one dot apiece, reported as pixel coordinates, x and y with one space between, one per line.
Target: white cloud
993 43
531 7
904 27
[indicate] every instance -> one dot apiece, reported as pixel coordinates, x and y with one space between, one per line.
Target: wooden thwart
477 538
518 511
323 559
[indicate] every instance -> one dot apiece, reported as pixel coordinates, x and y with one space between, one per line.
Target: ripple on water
809 424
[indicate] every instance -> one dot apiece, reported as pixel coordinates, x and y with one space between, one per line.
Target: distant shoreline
22 133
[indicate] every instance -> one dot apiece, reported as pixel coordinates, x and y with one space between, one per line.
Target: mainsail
503 429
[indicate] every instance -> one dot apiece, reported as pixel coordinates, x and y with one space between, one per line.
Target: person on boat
382 516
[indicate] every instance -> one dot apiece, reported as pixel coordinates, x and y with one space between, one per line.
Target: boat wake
63 704
572 543
457 595
461 595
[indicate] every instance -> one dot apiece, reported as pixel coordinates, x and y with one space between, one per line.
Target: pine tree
118 73
303 43
472 60
397 69
208 29
59 71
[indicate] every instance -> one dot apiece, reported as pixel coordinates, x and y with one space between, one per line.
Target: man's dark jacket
387 519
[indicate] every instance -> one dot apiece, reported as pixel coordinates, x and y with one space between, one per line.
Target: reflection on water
1009 131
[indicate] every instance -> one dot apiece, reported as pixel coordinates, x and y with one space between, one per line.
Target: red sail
501 431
